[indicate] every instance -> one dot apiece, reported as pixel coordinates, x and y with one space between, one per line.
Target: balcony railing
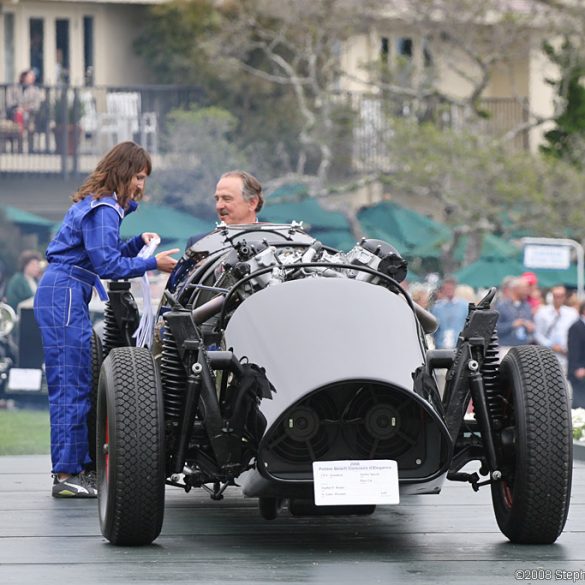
66 130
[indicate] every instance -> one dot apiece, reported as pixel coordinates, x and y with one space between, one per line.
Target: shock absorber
121 317
173 377
490 374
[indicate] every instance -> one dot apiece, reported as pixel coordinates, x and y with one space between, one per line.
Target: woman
86 248
23 284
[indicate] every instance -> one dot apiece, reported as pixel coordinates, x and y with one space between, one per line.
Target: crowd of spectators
528 314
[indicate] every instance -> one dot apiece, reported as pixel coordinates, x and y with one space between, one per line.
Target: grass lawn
24 432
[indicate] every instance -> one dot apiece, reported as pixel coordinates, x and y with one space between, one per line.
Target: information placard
345 483
24 379
537 256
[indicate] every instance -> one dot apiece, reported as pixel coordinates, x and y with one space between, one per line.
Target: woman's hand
147 237
164 262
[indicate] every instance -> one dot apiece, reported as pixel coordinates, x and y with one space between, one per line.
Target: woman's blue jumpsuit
86 248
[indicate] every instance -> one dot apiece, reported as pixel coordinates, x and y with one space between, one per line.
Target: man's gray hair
251 186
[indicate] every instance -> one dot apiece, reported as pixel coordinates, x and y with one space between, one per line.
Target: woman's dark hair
26 257
22 76
114 173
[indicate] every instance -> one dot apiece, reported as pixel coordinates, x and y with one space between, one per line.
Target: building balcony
66 130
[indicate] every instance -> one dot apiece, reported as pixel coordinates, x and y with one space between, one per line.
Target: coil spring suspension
173 377
113 337
490 374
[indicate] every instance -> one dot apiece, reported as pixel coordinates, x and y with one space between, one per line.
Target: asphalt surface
447 538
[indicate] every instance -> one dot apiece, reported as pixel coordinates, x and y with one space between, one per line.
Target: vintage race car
276 360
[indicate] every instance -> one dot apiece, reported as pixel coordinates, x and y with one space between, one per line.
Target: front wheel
531 502
130 454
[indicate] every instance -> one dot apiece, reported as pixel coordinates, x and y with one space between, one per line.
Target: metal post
565 242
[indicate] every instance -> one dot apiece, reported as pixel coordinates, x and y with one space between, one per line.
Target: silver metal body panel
316 331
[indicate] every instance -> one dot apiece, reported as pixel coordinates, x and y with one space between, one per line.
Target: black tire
532 501
130 461
96 364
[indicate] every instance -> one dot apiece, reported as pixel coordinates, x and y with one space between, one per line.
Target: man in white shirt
552 322
238 198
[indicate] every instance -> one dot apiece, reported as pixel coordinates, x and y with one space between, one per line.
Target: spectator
23 101
465 292
515 324
576 358
420 295
451 313
23 284
534 293
552 322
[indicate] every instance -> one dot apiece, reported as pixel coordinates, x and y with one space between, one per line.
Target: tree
567 139
296 45
479 187
171 41
200 149
279 69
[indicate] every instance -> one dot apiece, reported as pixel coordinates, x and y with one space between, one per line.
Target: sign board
544 256
354 483
24 379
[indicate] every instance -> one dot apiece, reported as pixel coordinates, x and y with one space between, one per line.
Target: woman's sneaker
75 486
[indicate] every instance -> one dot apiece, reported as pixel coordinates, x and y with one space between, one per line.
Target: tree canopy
273 72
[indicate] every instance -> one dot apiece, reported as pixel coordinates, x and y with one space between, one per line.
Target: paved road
450 538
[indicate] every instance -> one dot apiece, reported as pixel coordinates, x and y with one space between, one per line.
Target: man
515 324
451 313
238 198
552 322
576 358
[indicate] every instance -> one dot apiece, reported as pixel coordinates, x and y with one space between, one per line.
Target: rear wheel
130 457
531 502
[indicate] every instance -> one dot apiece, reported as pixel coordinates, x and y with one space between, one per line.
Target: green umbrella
329 227
338 239
492 247
548 277
404 228
487 272
171 225
25 218
309 211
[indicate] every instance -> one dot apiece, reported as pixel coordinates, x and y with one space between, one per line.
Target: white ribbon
143 333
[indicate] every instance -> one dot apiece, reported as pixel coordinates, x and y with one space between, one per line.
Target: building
72 40
514 93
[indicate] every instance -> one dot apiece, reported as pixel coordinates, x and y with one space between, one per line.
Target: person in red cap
534 295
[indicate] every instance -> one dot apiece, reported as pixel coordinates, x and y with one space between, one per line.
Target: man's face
559 296
230 204
449 290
